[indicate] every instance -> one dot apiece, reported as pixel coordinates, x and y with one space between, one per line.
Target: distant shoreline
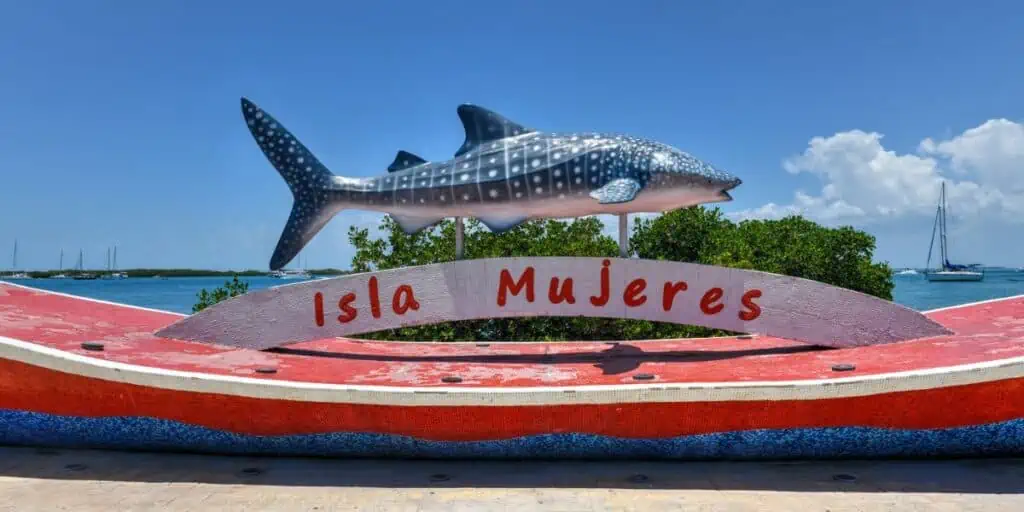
174 272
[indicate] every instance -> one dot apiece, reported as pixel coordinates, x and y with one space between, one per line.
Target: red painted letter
505 284
318 308
707 302
557 296
349 312
603 299
374 298
400 306
753 310
671 289
633 296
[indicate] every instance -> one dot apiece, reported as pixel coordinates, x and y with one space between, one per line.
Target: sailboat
115 274
299 273
14 266
112 272
61 275
81 275
947 271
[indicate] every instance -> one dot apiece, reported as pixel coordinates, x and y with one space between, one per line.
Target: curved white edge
67 362
90 299
978 303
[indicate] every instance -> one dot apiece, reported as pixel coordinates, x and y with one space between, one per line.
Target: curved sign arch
664 291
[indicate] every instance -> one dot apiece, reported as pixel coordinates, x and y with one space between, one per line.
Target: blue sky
121 123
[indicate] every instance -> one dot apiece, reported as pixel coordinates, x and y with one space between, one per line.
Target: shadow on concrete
975 476
619 358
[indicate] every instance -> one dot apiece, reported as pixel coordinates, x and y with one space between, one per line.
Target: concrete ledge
42 479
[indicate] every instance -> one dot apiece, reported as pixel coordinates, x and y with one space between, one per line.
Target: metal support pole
459 245
624 235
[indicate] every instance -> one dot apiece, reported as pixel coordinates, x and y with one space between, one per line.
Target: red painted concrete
984 332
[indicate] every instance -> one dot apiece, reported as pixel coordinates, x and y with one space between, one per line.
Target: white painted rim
67 362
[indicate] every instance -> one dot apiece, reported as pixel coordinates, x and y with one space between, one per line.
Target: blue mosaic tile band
150 434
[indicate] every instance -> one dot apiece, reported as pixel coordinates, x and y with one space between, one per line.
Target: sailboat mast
931 243
62 259
14 259
115 257
942 225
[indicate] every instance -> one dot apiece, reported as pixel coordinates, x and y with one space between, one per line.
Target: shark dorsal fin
484 126
405 160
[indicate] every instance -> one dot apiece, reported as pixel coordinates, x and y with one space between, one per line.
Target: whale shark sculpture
504 174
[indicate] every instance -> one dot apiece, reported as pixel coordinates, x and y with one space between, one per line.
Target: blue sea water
179 294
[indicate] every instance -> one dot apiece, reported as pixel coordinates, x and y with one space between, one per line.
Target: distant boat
907 272
947 271
81 274
14 266
289 274
299 273
112 272
61 275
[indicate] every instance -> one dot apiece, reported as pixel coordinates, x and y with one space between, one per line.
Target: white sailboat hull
954 275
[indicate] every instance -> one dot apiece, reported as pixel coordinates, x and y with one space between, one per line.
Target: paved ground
33 479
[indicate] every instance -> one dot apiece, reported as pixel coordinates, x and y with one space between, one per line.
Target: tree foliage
232 288
792 246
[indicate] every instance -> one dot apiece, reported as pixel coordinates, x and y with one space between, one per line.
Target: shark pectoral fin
413 224
622 190
405 160
502 224
483 126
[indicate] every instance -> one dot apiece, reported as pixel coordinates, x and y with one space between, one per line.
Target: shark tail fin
308 179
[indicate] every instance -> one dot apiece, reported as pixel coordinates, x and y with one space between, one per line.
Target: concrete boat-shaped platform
77 372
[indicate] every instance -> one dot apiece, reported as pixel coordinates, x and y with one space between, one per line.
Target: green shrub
232 288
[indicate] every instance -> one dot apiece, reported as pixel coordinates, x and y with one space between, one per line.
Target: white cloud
864 182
